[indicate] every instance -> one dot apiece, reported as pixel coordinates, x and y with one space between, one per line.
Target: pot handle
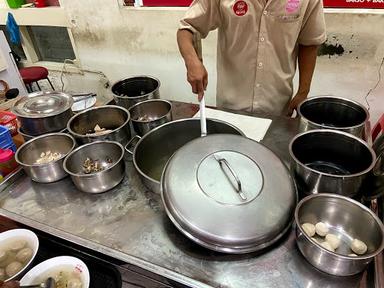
132 144
223 161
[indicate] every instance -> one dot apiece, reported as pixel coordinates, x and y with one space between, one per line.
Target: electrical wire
64 70
374 87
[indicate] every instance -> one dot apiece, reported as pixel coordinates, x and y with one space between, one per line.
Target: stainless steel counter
129 224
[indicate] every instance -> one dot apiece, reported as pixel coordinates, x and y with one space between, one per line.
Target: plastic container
7 161
5 134
15 3
9 120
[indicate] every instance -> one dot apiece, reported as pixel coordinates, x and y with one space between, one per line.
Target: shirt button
258 85
265 12
262 39
260 64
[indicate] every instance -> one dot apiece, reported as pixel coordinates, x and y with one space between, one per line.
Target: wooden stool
34 74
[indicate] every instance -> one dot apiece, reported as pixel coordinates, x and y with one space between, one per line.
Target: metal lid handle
223 161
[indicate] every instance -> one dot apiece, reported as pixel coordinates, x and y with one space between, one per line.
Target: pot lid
43 104
229 193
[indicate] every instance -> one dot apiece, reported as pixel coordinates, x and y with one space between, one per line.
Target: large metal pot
334 113
152 151
110 117
128 92
150 114
231 194
43 112
328 161
348 220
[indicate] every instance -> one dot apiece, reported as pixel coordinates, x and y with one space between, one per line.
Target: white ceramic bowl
21 234
54 264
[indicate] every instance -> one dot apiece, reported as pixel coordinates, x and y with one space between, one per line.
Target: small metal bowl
30 137
150 114
30 151
346 218
98 182
110 117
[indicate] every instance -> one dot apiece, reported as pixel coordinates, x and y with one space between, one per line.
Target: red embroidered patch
240 8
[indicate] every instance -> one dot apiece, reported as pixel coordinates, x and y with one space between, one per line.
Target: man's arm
197 75
307 62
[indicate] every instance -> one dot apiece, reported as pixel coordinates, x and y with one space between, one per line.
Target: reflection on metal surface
129 224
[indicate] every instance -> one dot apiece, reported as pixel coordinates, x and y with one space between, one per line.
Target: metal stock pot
231 194
153 151
329 161
129 91
43 112
333 113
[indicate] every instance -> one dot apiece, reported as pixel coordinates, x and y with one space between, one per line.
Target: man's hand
9 284
197 76
295 102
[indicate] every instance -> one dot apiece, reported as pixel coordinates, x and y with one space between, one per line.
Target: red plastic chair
379 127
34 74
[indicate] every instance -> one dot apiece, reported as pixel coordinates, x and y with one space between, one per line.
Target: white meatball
333 240
309 229
352 255
74 283
13 268
17 245
321 229
327 246
359 247
24 255
3 255
2 274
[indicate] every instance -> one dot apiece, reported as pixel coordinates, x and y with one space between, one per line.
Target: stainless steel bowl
109 154
154 149
346 218
30 151
29 137
110 117
128 92
335 113
328 161
43 112
150 114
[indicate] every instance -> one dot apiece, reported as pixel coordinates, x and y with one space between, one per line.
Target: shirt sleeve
202 17
313 30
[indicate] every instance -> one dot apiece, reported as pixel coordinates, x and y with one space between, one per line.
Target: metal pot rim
22 133
14 111
96 108
140 96
361 206
293 156
333 98
41 137
96 173
148 101
166 124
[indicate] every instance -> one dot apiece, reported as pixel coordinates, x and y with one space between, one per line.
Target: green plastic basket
15 3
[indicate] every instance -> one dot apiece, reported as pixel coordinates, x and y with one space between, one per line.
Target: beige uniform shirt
257 47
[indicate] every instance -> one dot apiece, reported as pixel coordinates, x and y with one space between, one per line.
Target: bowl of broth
18 248
67 271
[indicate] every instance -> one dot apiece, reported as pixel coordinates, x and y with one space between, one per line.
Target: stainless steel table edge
104 250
